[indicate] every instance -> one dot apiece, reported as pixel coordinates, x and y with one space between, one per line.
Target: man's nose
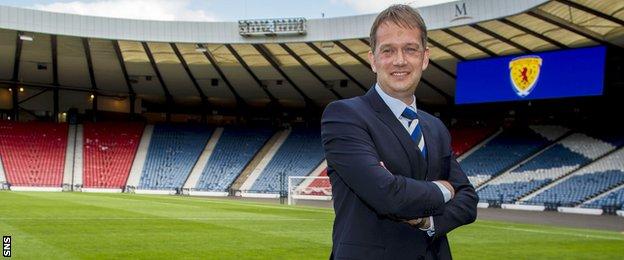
399 59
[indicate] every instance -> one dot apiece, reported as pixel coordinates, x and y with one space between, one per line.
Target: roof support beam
333 63
124 71
94 100
447 97
307 67
592 11
122 64
168 97
498 37
253 75
203 97
61 87
443 69
445 49
469 42
573 28
267 55
18 54
15 77
365 41
533 33
54 45
33 96
55 78
353 54
240 102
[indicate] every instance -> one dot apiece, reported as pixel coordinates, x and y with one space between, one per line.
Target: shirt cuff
431 230
445 192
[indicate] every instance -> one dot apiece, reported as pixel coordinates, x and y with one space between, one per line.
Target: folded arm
351 153
462 209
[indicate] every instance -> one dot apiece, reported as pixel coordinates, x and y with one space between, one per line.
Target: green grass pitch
89 225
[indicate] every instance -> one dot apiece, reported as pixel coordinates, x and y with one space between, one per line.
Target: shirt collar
396 106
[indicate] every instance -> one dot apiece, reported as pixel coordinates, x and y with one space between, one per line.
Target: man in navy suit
397 188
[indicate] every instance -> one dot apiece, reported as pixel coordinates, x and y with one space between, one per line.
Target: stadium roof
159 60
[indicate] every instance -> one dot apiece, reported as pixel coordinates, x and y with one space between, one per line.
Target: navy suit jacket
370 201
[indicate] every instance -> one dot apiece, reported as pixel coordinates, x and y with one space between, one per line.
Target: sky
214 10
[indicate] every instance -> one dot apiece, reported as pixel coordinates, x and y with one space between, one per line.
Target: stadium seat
558 160
298 156
109 150
507 149
33 153
594 179
235 149
613 199
173 151
467 137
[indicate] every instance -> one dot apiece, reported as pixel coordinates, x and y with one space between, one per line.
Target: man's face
399 59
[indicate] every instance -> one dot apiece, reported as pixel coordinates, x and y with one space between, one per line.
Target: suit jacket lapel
416 160
431 152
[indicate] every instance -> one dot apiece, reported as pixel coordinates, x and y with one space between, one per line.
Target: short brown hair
401 15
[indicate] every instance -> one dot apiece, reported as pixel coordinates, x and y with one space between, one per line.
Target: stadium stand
598 177
139 158
467 137
236 147
172 152
318 186
33 153
109 150
298 156
506 150
562 158
68 170
613 199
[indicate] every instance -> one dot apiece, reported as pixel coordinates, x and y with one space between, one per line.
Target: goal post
308 188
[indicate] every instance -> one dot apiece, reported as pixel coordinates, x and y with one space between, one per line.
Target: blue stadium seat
236 147
509 192
558 160
613 199
298 156
172 153
555 156
502 152
579 188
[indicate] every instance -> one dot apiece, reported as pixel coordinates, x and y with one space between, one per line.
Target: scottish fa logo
524 72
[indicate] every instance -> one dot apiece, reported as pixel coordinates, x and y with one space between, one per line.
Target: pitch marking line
555 233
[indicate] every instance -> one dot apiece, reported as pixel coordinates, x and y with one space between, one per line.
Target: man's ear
371 60
425 59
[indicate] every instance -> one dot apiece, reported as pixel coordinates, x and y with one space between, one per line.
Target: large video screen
554 74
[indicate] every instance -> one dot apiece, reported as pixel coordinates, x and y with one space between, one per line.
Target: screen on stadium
554 74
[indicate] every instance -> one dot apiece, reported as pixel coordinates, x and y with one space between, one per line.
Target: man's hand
448 186
422 223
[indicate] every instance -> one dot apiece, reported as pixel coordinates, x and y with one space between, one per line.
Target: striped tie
414 129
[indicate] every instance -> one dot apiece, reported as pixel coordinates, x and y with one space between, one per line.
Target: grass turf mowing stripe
91 225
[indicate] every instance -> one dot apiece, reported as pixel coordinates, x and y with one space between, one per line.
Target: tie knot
409 114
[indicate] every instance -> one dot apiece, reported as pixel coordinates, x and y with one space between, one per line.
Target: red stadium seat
467 137
109 150
33 153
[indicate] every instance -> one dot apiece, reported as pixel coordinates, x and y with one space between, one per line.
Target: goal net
308 188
